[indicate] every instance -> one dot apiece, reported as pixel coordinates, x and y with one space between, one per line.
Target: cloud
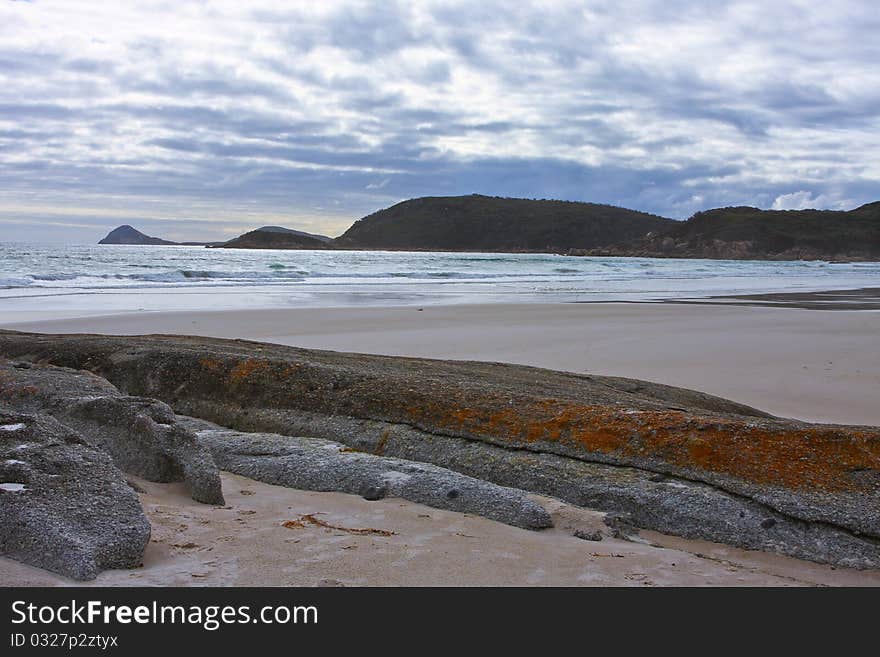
804 200
314 115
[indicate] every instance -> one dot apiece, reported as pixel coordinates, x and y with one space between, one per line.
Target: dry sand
246 543
812 365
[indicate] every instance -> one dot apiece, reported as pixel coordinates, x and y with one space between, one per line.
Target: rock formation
142 435
322 465
128 235
64 506
669 459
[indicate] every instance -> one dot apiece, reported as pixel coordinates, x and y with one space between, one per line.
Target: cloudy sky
203 119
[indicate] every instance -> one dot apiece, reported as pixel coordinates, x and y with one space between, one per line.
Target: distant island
277 237
511 225
128 235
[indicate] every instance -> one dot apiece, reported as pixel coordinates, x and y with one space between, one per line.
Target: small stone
329 583
22 366
374 493
621 525
588 535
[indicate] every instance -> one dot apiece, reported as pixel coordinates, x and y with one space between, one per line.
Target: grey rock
585 535
622 525
814 472
141 434
64 506
670 505
374 493
323 465
590 438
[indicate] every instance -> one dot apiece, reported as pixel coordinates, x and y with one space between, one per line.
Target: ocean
91 279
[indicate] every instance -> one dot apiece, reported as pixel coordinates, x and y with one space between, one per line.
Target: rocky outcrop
636 497
323 465
64 506
275 237
141 434
808 473
128 235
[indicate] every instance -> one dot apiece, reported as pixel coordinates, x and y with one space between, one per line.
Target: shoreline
278 298
865 298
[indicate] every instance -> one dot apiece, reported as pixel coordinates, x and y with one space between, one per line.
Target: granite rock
64 506
820 483
323 465
141 434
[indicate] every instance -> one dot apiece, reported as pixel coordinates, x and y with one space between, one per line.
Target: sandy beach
814 365
245 543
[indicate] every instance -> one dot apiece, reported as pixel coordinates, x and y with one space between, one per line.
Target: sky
203 119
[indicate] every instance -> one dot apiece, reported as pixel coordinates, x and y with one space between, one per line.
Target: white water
92 279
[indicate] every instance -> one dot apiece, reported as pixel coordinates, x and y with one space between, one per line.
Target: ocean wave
56 277
91 269
12 283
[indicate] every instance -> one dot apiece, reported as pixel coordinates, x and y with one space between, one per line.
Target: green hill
275 237
745 232
486 223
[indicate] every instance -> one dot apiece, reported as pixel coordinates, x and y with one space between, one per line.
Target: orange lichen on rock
246 368
382 443
13 390
211 364
817 457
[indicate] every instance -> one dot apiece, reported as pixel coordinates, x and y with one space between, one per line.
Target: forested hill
486 223
746 232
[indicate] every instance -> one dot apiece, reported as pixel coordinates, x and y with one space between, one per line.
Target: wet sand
867 298
246 543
